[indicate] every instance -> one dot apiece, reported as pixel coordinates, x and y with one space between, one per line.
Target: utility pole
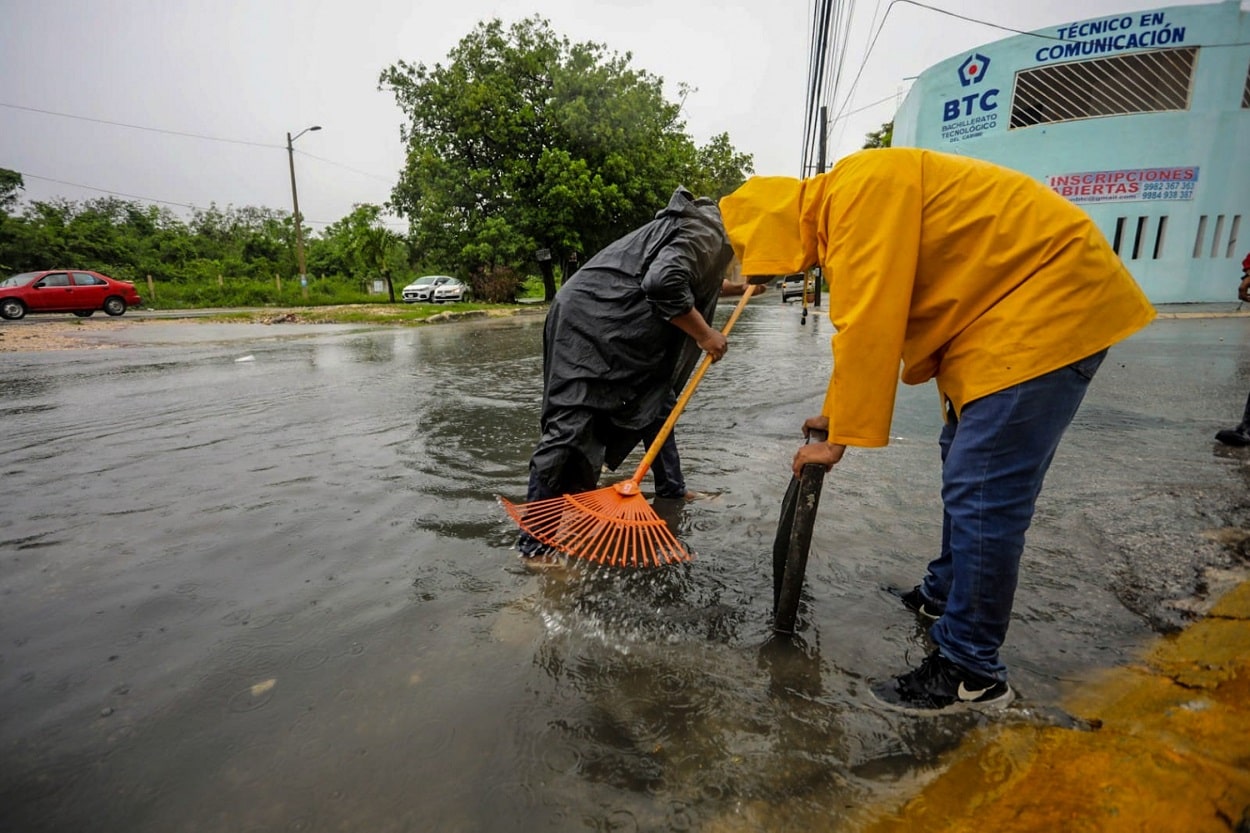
818 277
299 223
824 128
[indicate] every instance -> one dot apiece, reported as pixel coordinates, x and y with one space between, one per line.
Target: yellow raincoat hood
957 269
769 231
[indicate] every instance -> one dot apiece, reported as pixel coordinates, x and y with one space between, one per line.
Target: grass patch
395 314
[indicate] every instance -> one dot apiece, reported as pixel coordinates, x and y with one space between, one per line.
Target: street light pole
299 224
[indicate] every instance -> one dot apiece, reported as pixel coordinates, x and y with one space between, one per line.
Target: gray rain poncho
611 359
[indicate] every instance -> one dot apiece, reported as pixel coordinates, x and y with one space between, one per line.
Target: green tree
250 241
377 247
336 250
44 240
524 140
10 184
881 137
720 169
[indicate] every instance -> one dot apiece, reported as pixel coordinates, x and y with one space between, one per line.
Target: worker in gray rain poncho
621 337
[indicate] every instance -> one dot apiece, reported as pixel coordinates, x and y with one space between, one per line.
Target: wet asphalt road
255 578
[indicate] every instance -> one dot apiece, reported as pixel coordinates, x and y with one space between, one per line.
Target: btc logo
971 71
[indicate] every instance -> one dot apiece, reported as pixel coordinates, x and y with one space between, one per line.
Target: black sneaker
537 556
529 546
918 603
1234 436
941 685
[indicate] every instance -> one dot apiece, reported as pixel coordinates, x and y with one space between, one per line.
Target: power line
868 106
189 135
141 127
192 207
816 74
864 62
26 175
168 132
345 167
1004 28
850 93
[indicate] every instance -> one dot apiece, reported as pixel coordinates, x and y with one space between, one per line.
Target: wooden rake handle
654 449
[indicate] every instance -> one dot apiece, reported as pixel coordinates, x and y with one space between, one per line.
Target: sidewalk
1208 310
1170 749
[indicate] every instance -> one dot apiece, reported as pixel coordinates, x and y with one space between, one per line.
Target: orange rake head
614 525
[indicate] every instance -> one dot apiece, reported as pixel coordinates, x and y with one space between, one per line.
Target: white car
452 290
421 291
792 286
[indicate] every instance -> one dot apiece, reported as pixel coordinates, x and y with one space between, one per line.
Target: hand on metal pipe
820 453
825 455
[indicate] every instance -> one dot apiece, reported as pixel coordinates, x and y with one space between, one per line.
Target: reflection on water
280 594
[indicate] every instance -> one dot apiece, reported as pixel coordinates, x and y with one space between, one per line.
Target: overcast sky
250 71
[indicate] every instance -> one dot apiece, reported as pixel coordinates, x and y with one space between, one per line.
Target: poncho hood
609 345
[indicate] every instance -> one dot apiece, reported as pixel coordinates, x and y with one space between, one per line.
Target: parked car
452 290
65 290
792 286
421 291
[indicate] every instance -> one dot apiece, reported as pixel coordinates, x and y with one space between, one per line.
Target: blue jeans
994 458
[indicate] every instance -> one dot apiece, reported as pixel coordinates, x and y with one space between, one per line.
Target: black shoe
918 603
1234 436
530 547
544 562
941 685
537 556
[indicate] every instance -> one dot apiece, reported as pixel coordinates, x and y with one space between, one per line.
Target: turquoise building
1141 118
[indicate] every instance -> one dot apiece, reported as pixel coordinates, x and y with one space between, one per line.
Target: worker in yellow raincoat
1005 293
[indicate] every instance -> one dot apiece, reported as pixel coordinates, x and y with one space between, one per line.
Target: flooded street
279 594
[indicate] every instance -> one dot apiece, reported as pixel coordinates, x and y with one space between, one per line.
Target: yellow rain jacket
961 270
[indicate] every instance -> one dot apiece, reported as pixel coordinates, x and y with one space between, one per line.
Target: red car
65 290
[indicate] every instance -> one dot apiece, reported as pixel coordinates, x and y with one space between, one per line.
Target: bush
495 285
532 287
249 292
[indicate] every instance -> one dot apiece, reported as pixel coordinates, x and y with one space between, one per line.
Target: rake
615 525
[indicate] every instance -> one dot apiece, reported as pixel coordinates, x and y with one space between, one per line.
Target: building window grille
1200 236
1137 237
1217 236
1144 82
1245 92
1132 237
1227 246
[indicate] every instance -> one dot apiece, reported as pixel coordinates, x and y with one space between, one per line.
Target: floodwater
278 594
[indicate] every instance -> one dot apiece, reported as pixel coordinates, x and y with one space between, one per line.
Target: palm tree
373 247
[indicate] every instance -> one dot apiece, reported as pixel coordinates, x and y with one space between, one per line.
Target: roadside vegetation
525 154
367 313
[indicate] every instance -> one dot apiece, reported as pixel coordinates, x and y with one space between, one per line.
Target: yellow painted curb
1171 750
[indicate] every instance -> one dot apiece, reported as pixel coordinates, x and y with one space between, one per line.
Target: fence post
277 281
151 288
220 280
